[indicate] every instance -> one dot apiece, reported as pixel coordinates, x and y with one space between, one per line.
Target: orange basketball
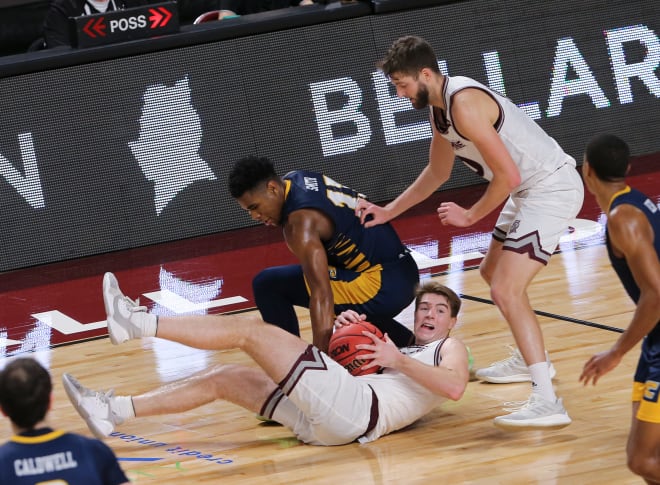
342 347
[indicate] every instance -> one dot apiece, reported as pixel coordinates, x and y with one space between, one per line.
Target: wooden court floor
581 305
456 443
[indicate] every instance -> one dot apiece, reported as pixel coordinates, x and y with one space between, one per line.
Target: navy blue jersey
46 455
650 209
352 246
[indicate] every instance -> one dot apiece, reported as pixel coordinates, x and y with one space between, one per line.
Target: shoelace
134 305
512 406
514 356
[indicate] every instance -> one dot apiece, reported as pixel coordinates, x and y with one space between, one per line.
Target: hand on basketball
379 215
453 214
383 352
599 365
347 317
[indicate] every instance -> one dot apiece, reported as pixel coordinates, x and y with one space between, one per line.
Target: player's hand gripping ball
342 347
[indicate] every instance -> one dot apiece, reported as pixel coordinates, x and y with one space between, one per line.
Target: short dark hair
408 55
248 173
25 388
432 286
609 157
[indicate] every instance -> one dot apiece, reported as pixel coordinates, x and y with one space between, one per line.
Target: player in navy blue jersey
633 245
38 453
343 265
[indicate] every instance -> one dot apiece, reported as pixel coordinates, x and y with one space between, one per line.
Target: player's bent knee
486 273
641 463
264 280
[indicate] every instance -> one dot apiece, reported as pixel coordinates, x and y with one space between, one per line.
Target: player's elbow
514 180
456 394
456 390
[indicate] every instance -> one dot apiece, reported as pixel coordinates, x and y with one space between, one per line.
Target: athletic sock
123 406
541 382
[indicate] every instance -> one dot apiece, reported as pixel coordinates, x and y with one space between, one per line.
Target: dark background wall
119 151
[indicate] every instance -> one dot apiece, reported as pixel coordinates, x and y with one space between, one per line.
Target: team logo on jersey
514 226
457 145
312 183
651 206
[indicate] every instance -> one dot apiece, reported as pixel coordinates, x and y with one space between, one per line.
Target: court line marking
550 315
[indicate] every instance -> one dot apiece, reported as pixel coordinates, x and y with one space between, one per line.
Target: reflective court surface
55 313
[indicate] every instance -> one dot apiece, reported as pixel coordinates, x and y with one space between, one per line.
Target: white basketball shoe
95 407
536 413
511 369
126 318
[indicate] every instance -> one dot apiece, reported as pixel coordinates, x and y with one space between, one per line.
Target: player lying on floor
296 385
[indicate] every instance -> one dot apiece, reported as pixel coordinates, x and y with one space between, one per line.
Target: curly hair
408 55
25 388
248 173
609 156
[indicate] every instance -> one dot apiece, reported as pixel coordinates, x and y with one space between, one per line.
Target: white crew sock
146 322
541 381
123 407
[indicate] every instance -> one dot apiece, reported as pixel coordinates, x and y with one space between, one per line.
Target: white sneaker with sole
93 406
120 309
511 369
536 413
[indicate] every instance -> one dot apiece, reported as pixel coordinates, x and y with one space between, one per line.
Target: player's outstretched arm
436 173
305 231
449 379
631 235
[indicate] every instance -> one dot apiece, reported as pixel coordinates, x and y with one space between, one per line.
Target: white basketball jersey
534 152
401 400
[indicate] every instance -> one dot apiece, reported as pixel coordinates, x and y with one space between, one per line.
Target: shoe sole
512 379
72 392
110 282
505 380
524 426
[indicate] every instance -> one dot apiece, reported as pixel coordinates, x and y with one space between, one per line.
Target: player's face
264 203
433 318
412 88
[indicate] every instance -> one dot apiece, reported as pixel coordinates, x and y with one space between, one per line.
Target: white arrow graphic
28 186
65 324
178 304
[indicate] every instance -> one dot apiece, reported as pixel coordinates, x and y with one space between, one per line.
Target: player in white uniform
296 385
525 167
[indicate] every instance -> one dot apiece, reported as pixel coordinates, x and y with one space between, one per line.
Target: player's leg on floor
643 447
248 387
272 347
276 291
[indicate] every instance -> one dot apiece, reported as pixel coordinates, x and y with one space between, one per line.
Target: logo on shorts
457 145
332 272
514 226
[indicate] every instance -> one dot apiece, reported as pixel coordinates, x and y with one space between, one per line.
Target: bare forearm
322 317
439 380
645 318
496 192
426 183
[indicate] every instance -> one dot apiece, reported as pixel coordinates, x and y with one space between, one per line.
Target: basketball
342 347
